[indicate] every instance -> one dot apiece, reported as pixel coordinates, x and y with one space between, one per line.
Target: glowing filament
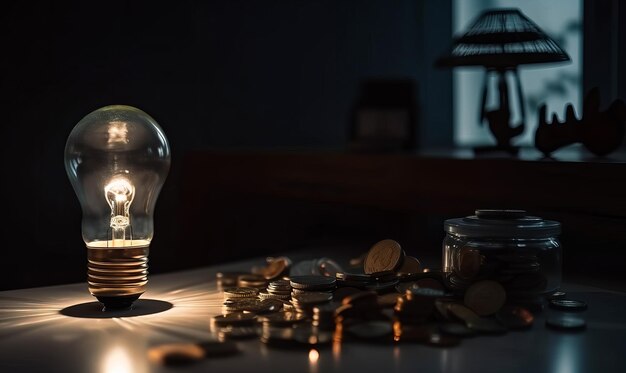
119 193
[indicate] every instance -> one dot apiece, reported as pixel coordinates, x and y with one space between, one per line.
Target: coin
441 305
251 281
307 336
568 304
227 279
218 349
311 298
566 322
240 292
456 329
385 255
343 292
461 312
312 282
362 299
328 267
381 287
430 283
556 295
515 317
410 265
237 332
282 319
304 268
257 306
238 318
469 263
485 297
176 354
324 315
388 300
275 267
371 330
412 333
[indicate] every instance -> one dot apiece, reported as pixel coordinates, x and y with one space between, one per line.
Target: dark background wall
215 74
245 75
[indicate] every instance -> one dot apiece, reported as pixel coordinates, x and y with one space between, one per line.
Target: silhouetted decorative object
384 116
601 132
500 40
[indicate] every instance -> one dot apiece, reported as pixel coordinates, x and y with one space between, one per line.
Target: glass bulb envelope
117 159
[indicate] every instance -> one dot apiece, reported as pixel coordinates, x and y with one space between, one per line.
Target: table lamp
117 159
500 40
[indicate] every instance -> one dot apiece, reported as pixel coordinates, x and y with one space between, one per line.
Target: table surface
37 336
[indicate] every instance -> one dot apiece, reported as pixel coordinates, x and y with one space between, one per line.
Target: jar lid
503 224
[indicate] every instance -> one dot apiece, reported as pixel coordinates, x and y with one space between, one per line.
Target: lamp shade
500 39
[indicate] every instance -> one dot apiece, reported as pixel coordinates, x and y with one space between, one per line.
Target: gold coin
385 255
485 297
176 353
462 313
410 265
275 268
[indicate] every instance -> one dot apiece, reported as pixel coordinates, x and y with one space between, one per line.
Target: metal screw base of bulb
118 303
117 276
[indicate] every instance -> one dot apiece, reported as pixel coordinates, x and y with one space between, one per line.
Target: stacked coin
378 281
235 296
309 291
236 325
304 302
417 305
308 283
277 289
252 281
227 279
390 299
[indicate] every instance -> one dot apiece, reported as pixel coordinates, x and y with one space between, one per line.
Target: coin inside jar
385 255
469 263
485 297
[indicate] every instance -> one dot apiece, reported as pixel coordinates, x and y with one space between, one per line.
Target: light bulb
117 159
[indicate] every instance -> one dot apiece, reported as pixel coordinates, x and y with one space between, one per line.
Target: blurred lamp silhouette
500 40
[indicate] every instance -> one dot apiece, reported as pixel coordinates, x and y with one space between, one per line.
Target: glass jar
521 252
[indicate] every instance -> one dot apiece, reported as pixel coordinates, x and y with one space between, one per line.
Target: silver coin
312 282
566 322
303 268
311 298
568 304
456 329
328 267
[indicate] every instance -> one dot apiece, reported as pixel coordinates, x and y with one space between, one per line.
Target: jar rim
516 224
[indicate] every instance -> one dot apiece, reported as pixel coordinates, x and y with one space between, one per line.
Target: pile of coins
389 298
520 274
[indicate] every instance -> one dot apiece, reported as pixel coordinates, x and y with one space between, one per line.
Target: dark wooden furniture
245 203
